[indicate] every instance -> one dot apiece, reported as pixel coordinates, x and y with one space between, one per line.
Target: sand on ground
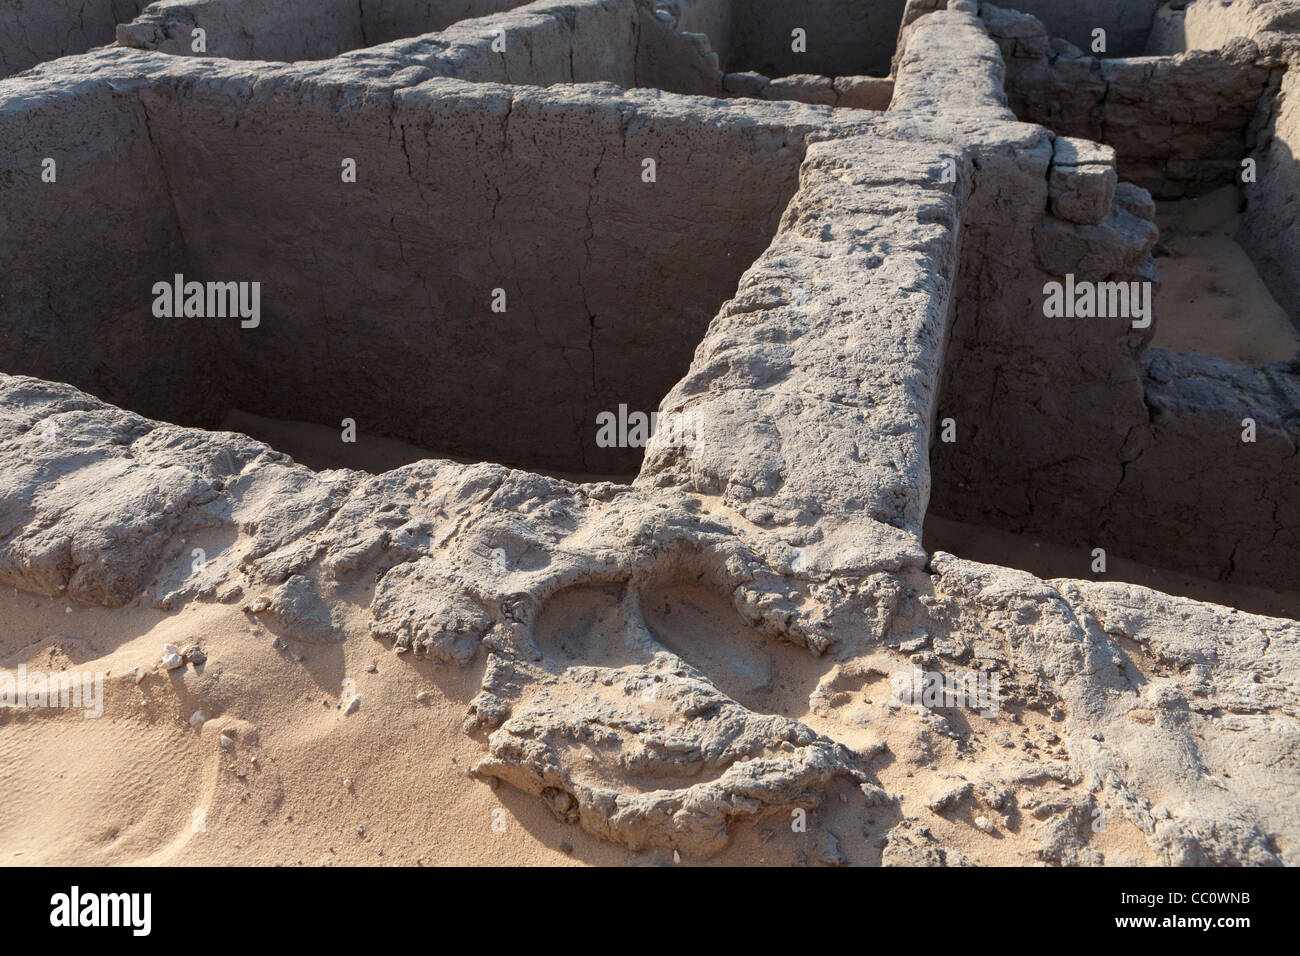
1212 300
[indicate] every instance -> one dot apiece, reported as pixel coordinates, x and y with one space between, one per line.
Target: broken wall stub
433 161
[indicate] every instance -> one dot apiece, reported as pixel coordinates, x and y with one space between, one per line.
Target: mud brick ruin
829 259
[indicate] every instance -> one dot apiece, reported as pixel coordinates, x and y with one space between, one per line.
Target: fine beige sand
1212 300
140 785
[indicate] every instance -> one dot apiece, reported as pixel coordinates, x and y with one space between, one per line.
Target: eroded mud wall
385 20
1024 456
1210 24
617 41
377 296
1226 508
1180 124
76 304
1064 429
1271 222
610 41
32 31
293 29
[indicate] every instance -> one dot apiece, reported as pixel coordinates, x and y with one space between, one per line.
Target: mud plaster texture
632 637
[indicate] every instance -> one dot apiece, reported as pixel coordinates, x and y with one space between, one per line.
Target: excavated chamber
781 37
509 264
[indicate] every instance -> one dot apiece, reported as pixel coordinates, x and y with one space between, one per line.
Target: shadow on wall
1125 25
38 30
286 30
785 37
490 285
1270 227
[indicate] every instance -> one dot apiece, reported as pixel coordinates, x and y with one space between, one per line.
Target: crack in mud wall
32 32
378 296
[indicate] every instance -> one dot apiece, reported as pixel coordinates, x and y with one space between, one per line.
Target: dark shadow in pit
323 448
838 37
1047 560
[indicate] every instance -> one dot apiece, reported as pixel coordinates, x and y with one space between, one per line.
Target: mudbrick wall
834 284
684 47
1127 23
1219 85
32 33
1065 463
1271 222
1180 124
457 186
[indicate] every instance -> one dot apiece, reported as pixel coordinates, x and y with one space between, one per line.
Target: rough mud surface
705 660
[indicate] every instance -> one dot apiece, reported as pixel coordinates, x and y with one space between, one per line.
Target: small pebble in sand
197 718
371 669
984 824
352 706
422 697
677 857
171 658
347 784
226 741
361 831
